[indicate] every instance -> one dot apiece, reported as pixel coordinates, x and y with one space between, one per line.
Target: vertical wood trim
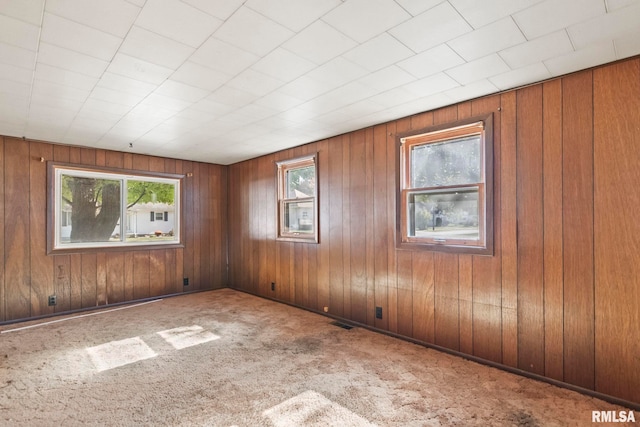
552 211
392 264
358 226
347 219
369 240
323 249
530 231
17 249
617 241
335 223
42 281
508 228
62 263
381 224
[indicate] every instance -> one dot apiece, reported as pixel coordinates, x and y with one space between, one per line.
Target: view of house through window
444 189
297 193
89 206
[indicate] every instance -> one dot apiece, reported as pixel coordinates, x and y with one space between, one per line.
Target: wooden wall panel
617 241
42 281
96 278
358 227
552 239
380 236
17 266
334 223
530 230
577 228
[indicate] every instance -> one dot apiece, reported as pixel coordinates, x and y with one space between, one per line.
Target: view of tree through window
96 208
297 206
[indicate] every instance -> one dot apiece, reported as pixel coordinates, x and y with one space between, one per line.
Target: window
297 200
446 188
86 207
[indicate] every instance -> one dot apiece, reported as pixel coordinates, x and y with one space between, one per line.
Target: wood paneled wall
28 275
560 297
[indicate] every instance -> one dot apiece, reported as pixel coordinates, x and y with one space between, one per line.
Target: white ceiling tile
627 46
416 7
581 59
253 32
113 16
221 9
45 131
481 13
65 77
138 3
537 50
181 91
207 107
156 101
431 85
521 76
14 89
294 15
138 69
283 65
254 82
251 113
70 60
473 90
178 21
232 97
278 101
154 48
378 53
25 10
89 114
337 72
478 69
68 105
621 23
553 15
338 98
11 73
396 96
18 33
97 105
55 90
51 115
12 128
431 28
364 19
619 4
17 56
387 78
221 56
199 76
350 112
319 43
431 61
101 126
126 84
488 39
116 96
79 38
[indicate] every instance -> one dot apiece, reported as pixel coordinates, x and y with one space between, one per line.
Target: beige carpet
225 358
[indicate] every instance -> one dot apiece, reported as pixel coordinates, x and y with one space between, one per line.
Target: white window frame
284 232
55 205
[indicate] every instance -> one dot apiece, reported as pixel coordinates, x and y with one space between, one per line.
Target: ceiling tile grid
226 80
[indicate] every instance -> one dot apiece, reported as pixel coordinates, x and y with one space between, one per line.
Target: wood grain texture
335 223
530 231
358 226
381 225
552 211
508 228
17 266
3 299
617 241
577 227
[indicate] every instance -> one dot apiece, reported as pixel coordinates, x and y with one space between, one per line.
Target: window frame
438 134
282 167
54 172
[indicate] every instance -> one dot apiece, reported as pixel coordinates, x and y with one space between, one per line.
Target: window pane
300 182
147 202
444 215
89 209
453 162
298 217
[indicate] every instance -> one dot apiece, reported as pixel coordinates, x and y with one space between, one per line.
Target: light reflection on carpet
119 353
187 336
313 409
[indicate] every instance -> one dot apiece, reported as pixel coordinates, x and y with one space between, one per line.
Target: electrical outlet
53 300
273 286
185 281
378 312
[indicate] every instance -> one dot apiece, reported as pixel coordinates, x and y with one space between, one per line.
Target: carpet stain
523 419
